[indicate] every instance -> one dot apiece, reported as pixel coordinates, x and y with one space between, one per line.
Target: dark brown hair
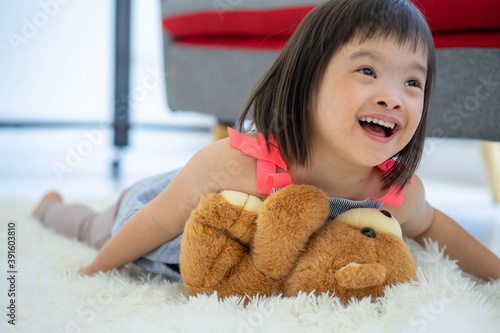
278 102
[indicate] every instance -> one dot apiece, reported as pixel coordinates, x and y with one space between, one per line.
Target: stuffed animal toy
236 244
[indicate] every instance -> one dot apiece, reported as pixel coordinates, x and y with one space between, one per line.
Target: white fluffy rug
51 298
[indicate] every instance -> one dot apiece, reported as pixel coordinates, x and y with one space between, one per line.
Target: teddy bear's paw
236 214
236 221
357 276
247 202
299 206
286 221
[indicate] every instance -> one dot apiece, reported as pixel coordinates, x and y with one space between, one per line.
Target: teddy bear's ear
371 218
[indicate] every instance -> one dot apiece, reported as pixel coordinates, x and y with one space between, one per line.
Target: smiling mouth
377 127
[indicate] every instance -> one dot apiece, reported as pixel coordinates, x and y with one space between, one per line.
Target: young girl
343 108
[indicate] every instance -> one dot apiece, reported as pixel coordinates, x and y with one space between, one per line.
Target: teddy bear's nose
386 213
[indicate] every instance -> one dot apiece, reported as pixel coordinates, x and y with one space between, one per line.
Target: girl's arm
213 168
473 257
426 222
142 233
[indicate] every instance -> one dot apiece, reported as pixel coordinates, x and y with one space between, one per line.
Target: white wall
57 61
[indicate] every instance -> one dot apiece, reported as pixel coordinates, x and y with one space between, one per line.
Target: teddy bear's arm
286 221
357 276
215 239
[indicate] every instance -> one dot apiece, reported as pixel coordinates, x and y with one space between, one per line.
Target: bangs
401 23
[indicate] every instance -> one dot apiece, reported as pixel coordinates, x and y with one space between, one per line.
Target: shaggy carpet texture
50 297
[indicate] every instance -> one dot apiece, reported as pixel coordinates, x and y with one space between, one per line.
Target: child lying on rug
343 108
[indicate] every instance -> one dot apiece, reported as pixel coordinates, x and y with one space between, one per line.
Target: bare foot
49 196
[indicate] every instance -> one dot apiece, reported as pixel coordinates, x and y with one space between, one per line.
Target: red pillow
456 15
249 23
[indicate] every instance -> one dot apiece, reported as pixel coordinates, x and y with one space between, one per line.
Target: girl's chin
372 158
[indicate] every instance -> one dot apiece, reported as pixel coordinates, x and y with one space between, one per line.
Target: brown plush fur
286 247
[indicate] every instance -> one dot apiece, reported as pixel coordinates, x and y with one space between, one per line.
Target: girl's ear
308 105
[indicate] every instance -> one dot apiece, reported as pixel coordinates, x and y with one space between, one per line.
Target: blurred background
63 71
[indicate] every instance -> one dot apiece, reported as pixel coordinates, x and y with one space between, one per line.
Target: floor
77 162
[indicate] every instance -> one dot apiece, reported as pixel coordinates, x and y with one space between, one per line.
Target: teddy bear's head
356 255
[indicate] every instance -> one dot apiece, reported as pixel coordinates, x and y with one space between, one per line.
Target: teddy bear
237 244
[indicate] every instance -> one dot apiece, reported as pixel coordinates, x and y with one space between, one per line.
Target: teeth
379 122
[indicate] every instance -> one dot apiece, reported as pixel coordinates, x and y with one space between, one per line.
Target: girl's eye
413 83
366 71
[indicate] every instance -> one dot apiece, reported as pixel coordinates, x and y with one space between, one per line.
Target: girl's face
369 101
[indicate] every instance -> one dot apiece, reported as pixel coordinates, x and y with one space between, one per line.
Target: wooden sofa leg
220 131
491 157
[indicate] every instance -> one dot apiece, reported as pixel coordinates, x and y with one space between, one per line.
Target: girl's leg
77 221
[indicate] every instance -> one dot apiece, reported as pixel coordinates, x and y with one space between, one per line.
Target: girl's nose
389 99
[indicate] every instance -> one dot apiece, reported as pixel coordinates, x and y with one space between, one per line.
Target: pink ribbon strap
267 160
392 198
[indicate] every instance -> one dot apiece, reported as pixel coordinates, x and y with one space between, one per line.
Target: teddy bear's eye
386 213
368 232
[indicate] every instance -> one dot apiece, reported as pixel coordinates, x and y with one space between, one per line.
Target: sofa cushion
243 23
267 24
478 39
188 18
459 15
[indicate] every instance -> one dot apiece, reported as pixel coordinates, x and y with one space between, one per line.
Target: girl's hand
86 271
